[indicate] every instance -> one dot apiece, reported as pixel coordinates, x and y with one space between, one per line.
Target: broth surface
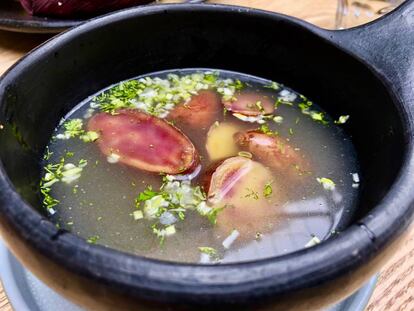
306 203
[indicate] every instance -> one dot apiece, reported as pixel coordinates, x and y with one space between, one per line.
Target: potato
220 142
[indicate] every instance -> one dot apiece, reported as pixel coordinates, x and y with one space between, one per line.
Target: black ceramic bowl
366 72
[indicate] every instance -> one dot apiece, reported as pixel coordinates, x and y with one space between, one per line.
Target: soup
202 166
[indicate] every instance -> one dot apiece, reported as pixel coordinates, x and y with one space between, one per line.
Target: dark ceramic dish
14 18
366 72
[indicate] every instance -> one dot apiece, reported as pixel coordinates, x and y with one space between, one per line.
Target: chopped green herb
158 96
48 201
260 106
211 252
291 131
55 173
170 204
212 215
73 128
48 154
342 119
327 183
163 232
273 86
265 129
252 194
93 239
315 115
267 191
281 101
147 194
90 136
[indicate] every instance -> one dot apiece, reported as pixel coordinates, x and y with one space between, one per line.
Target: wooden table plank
395 289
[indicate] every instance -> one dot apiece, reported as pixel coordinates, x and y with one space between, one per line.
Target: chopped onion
167 218
355 177
314 241
113 158
204 258
230 239
138 215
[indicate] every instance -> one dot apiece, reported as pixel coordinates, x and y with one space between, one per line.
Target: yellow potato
220 142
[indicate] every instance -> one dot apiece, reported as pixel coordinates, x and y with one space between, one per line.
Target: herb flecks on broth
74 128
58 172
168 205
327 183
236 184
199 112
272 150
215 166
250 104
158 96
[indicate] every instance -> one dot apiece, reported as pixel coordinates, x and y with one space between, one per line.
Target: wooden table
395 289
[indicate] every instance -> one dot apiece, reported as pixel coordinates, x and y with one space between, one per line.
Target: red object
199 112
144 142
231 186
273 151
70 8
250 104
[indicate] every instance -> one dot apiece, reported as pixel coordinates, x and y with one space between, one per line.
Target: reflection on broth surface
200 166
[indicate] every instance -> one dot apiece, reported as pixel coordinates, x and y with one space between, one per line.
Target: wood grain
395 289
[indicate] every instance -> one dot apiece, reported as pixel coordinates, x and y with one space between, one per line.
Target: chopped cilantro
48 154
273 86
211 252
73 128
69 154
93 239
55 173
252 194
281 101
259 106
90 136
212 215
267 191
170 204
327 183
342 119
147 194
264 128
158 96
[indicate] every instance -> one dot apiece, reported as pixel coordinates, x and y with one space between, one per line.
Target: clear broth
101 202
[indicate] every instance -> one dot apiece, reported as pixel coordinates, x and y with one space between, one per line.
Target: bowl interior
48 83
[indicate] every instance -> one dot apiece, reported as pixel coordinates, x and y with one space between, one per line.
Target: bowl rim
192 282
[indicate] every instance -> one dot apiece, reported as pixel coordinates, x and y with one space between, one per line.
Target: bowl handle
385 44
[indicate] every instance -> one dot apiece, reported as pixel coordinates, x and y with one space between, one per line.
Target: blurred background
331 14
